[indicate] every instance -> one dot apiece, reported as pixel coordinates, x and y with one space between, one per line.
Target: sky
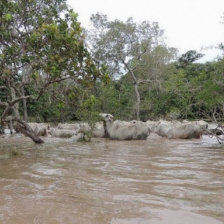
188 24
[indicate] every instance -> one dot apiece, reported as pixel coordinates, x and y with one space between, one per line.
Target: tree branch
145 81
3 87
19 99
24 128
48 84
3 104
130 70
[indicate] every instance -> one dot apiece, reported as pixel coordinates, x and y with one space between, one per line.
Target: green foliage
115 98
7 17
43 110
198 89
48 41
115 43
189 57
89 111
42 44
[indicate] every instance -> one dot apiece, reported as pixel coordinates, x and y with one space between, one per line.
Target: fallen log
22 127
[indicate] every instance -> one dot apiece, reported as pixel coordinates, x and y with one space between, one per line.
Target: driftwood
24 128
15 122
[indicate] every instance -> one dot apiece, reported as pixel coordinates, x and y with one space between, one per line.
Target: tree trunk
11 126
135 82
223 110
16 105
24 79
24 128
137 102
25 115
19 125
214 116
1 129
29 134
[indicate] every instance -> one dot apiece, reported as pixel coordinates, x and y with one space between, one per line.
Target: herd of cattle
126 130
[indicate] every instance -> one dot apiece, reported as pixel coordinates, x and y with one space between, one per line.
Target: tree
189 57
122 46
41 44
211 86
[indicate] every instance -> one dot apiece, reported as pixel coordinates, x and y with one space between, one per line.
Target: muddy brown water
158 181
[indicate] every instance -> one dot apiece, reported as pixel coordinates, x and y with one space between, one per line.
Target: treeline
185 91
52 70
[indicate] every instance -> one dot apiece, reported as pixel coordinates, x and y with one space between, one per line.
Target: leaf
8 17
73 14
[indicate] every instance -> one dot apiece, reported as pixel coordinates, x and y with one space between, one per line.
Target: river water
158 181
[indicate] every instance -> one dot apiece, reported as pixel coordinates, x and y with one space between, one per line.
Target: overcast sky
188 24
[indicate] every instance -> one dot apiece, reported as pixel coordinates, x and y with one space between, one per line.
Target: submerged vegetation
51 70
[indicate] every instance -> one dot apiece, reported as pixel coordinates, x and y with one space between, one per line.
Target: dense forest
54 70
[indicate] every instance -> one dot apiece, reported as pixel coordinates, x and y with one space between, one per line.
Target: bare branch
3 104
3 87
5 112
145 81
130 70
48 84
19 99
24 128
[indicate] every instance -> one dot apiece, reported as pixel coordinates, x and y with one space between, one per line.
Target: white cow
62 133
41 129
123 130
185 130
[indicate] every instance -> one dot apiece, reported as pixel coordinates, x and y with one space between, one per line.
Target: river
158 181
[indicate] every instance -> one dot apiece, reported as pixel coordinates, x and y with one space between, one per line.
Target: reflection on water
155 181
